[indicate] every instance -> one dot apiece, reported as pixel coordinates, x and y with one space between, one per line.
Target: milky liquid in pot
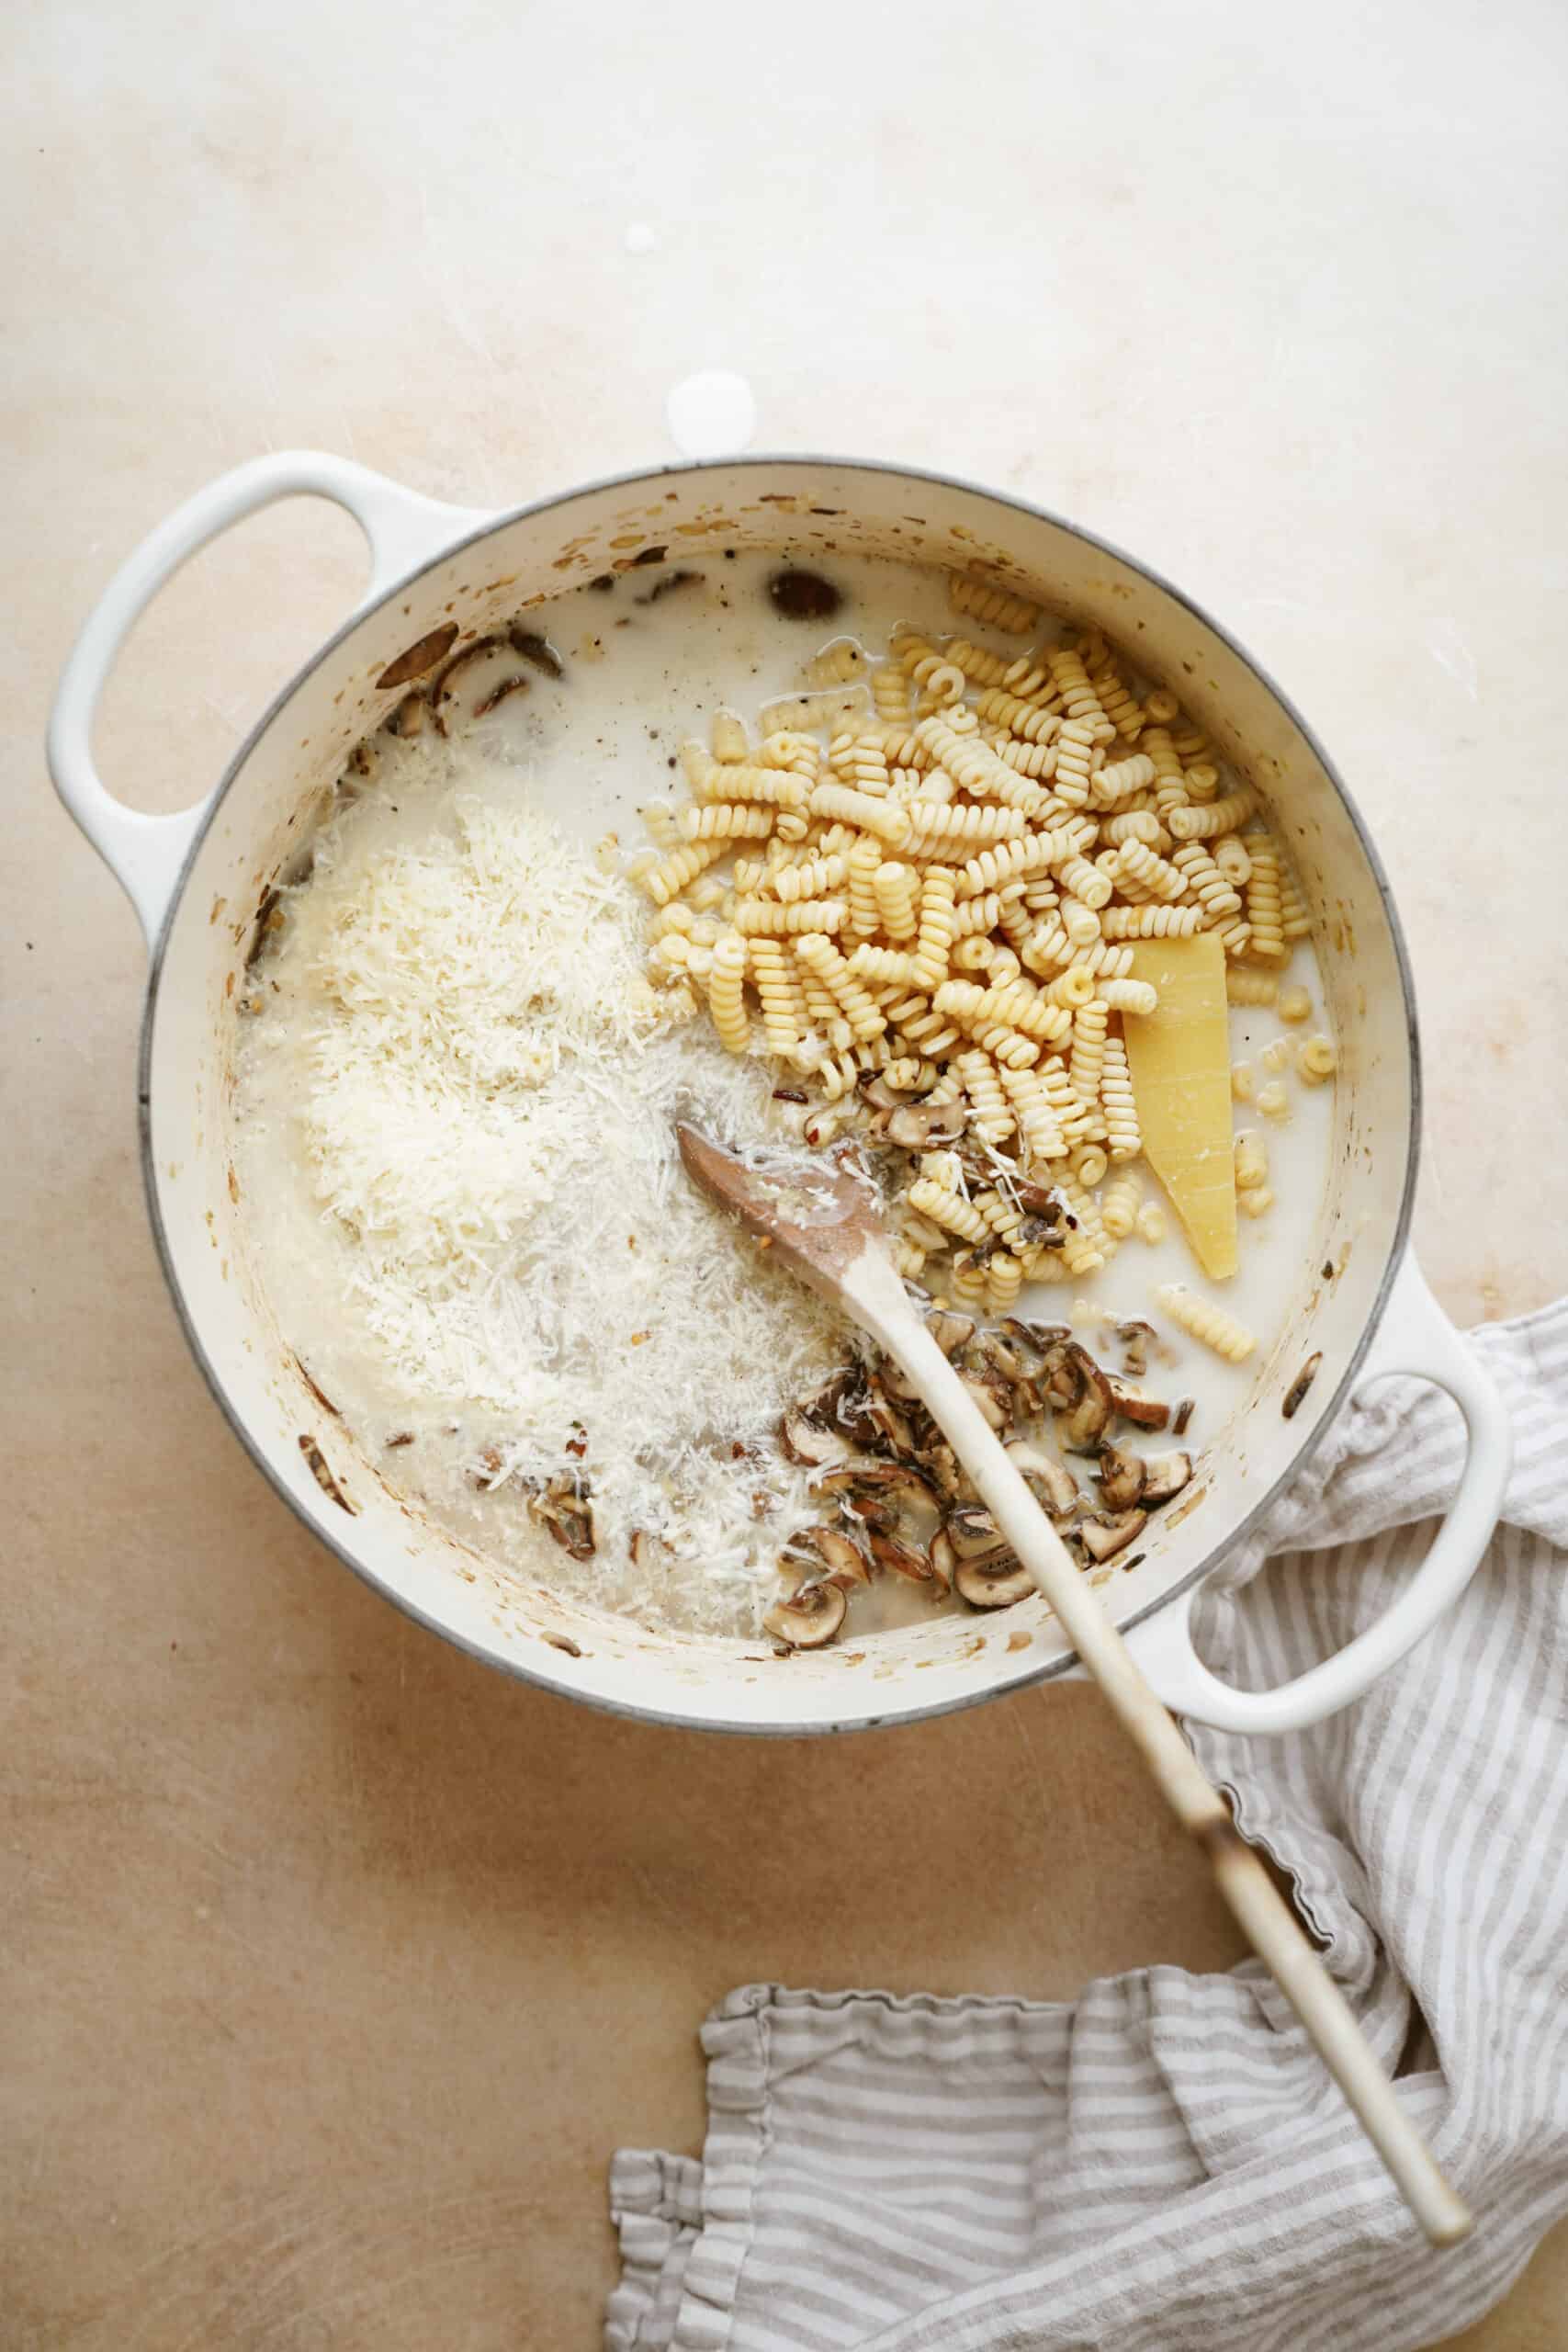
646 663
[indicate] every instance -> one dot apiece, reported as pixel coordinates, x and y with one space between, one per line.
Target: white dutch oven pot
448 572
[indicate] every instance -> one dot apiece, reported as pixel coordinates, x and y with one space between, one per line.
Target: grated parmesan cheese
457 1108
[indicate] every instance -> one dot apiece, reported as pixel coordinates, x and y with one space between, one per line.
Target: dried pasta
754 915
886 819
992 606
1205 1322
836 664
815 953
1263 907
1119 1204
860 881
935 935
780 994
1150 922
1251 988
726 821
938 865
727 993
1189 824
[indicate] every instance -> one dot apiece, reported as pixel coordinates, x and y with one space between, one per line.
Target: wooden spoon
825 1222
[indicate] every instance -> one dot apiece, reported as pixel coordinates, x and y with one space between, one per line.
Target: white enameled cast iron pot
441 574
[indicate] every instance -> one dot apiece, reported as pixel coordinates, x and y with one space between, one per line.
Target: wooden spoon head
820 1216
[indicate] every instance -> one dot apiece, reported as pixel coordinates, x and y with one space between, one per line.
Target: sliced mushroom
566 1515
1060 1379
994 1396
1041 1337
802 1440
1164 1474
1299 1387
1185 1408
1147 1412
915 1126
895 1429
895 1381
993 1584
874 1088
1122 1478
515 684
441 687
536 650
822 1406
1038 1200
950 1331
809 1618
408 716
829 1548
974 1534
1103 1538
853 1415
1135 1338
945 1470
911 1561
883 1487
991 1353
1052 1485
943 1560
1087 1418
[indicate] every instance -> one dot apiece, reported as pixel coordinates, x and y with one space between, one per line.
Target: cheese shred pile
467 1091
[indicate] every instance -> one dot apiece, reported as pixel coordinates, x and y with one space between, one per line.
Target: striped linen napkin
1164 2163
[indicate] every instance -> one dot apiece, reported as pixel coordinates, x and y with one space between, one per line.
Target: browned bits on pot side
802 596
324 1401
399 1437
322 1476
649 555
605 582
1299 1387
266 927
662 587
421 656
563 1642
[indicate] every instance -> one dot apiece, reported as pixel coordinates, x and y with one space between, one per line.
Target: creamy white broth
644 666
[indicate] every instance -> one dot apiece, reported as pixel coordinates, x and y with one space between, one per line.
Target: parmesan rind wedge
1178 1057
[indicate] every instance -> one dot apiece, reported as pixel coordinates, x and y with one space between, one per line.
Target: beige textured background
335 1967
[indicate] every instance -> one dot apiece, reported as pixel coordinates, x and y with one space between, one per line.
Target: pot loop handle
1415 1339
404 530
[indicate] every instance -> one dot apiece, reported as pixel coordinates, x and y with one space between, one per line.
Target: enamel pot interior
278 782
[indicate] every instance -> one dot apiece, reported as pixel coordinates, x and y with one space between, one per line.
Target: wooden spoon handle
875 1296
